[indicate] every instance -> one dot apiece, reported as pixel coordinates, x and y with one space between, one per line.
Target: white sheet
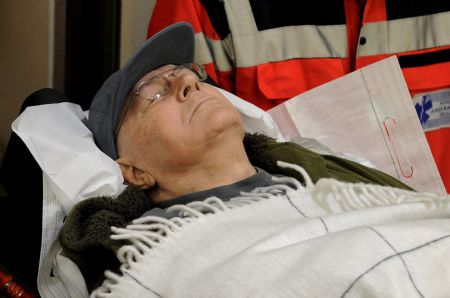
65 150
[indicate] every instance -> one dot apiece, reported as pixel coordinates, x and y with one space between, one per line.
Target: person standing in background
269 51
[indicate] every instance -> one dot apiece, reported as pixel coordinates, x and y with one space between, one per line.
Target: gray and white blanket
331 239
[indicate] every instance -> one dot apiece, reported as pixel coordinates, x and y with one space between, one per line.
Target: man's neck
217 172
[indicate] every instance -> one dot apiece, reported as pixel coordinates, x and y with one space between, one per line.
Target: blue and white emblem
433 109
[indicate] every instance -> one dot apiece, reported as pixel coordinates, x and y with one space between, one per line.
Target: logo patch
433 109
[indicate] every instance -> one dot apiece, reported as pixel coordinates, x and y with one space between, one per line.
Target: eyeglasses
156 88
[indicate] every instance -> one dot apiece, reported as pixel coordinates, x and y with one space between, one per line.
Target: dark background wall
86 51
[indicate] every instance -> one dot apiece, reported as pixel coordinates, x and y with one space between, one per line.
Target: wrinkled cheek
166 144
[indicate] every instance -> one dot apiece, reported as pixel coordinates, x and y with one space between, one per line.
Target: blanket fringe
331 194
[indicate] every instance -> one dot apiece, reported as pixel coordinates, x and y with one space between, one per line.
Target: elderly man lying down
213 212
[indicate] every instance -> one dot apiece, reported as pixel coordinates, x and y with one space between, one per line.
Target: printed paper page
368 112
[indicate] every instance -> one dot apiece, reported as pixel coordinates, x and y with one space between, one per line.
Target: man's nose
185 84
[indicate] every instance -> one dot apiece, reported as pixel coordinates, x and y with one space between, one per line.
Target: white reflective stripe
278 44
407 34
208 50
272 45
250 47
240 17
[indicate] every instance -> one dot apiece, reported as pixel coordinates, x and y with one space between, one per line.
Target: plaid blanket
329 239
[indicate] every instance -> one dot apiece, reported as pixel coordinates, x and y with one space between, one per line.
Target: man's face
181 129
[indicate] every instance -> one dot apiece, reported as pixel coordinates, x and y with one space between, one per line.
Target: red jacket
266 52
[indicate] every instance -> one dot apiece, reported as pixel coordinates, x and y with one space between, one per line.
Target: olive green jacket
264 152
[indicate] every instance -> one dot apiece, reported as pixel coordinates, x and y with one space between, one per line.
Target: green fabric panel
327 166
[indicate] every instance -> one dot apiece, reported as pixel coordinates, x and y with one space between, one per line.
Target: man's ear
135 176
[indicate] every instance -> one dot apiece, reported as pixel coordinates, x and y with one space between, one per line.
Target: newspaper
368 112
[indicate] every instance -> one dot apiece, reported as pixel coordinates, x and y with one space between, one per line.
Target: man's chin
224 123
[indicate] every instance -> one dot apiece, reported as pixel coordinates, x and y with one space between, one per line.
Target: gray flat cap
172 45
